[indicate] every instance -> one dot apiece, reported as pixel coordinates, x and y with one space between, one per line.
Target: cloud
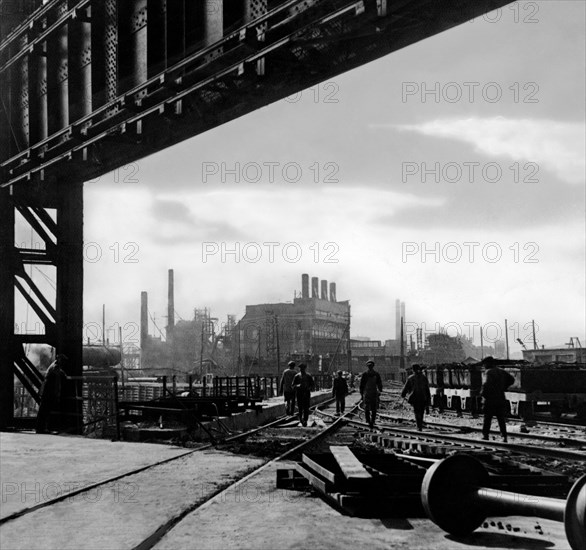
555 146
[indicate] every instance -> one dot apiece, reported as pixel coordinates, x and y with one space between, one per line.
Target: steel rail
93 486
161 531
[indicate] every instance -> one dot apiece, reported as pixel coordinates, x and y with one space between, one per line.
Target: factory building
315 328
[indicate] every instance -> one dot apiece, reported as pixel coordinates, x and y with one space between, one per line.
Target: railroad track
571 434
565 439
422 438
218 445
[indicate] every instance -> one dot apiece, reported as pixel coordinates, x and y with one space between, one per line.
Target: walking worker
50 395
419 396
493 391
371 387
286 388
339 391
303 385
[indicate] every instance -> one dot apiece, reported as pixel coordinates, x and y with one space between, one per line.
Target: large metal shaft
507 503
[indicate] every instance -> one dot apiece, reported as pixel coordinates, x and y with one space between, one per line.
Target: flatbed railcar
556 387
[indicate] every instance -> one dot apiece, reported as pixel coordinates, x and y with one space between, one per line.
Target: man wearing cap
286 388
339 391
371 387
416 390
50 395
493 391
303 385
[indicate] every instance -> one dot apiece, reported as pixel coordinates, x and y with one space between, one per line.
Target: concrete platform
256 515
272 409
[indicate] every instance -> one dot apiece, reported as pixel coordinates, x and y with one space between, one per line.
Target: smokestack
305 285
332 292
403 312
314 287
324 290
144 319
170 307
397 319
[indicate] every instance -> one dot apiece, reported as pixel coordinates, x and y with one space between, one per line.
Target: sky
449 174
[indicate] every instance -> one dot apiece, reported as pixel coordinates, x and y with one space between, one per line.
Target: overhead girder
140 66
87 86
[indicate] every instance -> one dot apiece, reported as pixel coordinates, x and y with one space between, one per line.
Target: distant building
315 328
387 361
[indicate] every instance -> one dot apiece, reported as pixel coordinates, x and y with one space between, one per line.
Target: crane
522 343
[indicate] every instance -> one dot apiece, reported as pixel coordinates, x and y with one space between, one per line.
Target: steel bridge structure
87 86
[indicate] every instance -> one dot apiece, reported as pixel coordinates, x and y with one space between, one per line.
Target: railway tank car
555 387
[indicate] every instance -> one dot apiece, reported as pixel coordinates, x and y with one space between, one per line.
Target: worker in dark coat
493 392
416 390
50 395
371 387
339 391
286 388
303 385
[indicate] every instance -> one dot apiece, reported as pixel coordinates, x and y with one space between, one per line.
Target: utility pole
201 352
103 324
481 345
402 362
278 346
507 339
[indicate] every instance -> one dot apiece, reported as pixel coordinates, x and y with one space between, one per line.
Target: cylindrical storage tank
100 356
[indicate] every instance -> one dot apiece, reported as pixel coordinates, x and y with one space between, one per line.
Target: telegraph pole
507 339
278 346
402 363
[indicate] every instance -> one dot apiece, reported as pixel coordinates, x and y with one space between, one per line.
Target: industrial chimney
324 290
332 292
305 285
170 308
314 287
397 320
144 319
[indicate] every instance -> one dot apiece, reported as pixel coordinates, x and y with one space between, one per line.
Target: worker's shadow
501 540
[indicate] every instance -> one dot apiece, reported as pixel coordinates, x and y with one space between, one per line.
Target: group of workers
416 391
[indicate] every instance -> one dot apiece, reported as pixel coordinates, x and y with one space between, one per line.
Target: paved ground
257 515
254 514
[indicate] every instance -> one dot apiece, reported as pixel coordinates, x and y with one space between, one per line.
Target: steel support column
69 299
7 341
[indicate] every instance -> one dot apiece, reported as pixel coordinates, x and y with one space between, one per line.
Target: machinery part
455 496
